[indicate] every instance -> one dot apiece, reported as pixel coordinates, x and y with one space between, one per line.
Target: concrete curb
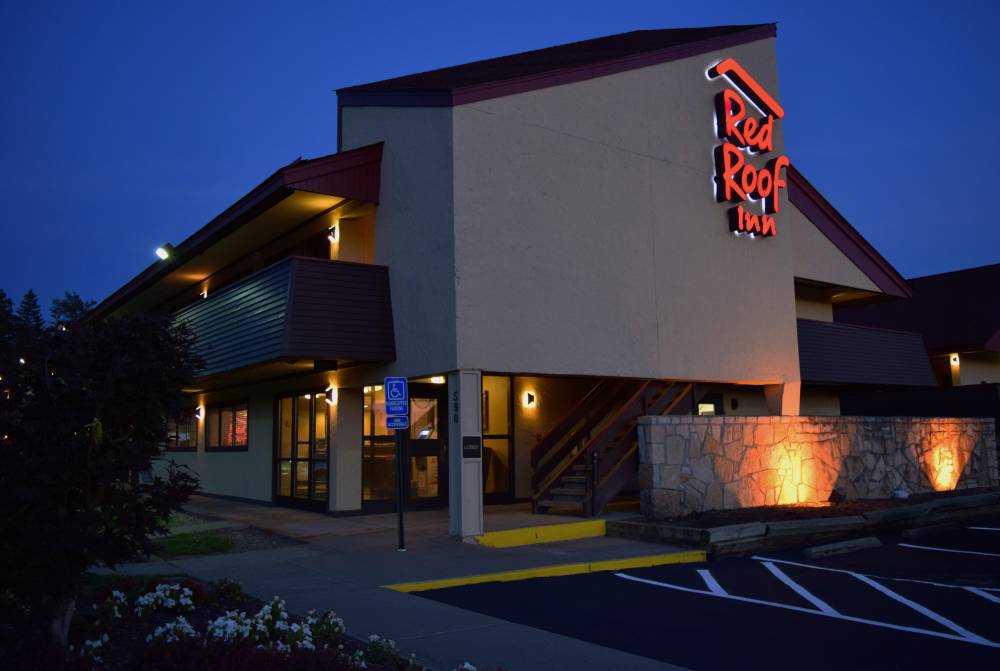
755 536
545 533
682 557
843 547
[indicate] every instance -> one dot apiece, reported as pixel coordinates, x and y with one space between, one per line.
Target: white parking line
799 589
985 528
962 552
923 610
810 611
983 593
870 575
713 585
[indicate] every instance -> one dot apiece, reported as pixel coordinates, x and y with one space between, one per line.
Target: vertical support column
345 451
465 461
784 399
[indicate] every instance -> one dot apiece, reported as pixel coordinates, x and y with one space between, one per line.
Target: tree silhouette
69 308
29 313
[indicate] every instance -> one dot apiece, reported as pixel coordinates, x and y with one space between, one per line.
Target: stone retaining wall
691 464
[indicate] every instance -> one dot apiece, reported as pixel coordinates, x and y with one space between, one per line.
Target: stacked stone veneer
691 464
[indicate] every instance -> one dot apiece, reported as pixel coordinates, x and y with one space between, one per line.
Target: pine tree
29 313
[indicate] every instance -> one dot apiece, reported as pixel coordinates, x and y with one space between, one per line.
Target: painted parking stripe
810 611
800 590
713 585
985 528
961 552
870 575
983 593
923 610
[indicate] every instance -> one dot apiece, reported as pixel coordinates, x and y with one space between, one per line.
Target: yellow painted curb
684 557
546 533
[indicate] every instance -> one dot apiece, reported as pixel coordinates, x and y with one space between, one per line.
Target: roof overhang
292 195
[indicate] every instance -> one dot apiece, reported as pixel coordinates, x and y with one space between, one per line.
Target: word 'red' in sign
737 179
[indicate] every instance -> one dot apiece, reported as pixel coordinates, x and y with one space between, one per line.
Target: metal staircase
592 453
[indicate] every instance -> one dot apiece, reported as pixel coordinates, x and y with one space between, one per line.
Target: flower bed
167 624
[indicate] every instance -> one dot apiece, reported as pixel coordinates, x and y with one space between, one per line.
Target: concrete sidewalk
303 524
346 572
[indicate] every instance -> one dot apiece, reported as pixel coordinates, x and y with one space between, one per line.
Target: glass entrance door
425 446
302 448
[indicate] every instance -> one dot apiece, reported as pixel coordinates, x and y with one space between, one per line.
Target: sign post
397 418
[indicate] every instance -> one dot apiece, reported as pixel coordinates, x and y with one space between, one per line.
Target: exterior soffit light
438 379
164 251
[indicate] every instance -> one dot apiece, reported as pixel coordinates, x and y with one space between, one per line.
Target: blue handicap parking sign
397 401
397 422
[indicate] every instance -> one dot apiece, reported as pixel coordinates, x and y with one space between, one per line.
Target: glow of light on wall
529 398
438 379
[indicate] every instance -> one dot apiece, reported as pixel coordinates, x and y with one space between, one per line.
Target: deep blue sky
129 124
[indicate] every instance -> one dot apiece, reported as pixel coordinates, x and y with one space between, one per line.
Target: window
226 427
182 433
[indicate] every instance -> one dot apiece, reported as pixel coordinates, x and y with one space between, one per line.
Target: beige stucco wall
818 310
979 367
573 230
413 232
816 258
588 240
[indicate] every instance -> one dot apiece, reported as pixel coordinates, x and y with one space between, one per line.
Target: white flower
173 631
164 597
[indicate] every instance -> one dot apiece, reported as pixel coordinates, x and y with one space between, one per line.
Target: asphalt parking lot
931 602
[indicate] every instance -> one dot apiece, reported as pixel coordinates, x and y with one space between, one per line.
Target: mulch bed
794 512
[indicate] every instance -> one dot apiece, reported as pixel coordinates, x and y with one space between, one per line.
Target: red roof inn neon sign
737 179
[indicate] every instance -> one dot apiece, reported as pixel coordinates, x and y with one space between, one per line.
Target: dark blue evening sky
129 124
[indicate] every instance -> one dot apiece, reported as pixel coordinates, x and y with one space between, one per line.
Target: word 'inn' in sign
737 179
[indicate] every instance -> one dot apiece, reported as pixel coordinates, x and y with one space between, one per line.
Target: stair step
567 479
555 503
569 492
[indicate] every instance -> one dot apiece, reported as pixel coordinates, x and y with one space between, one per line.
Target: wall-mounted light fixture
204 292
332 235
438 379
164 251
331 395
954 359
199 413
529 399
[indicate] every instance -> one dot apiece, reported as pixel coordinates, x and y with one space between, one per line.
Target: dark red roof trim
400 92
351 174
834 226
